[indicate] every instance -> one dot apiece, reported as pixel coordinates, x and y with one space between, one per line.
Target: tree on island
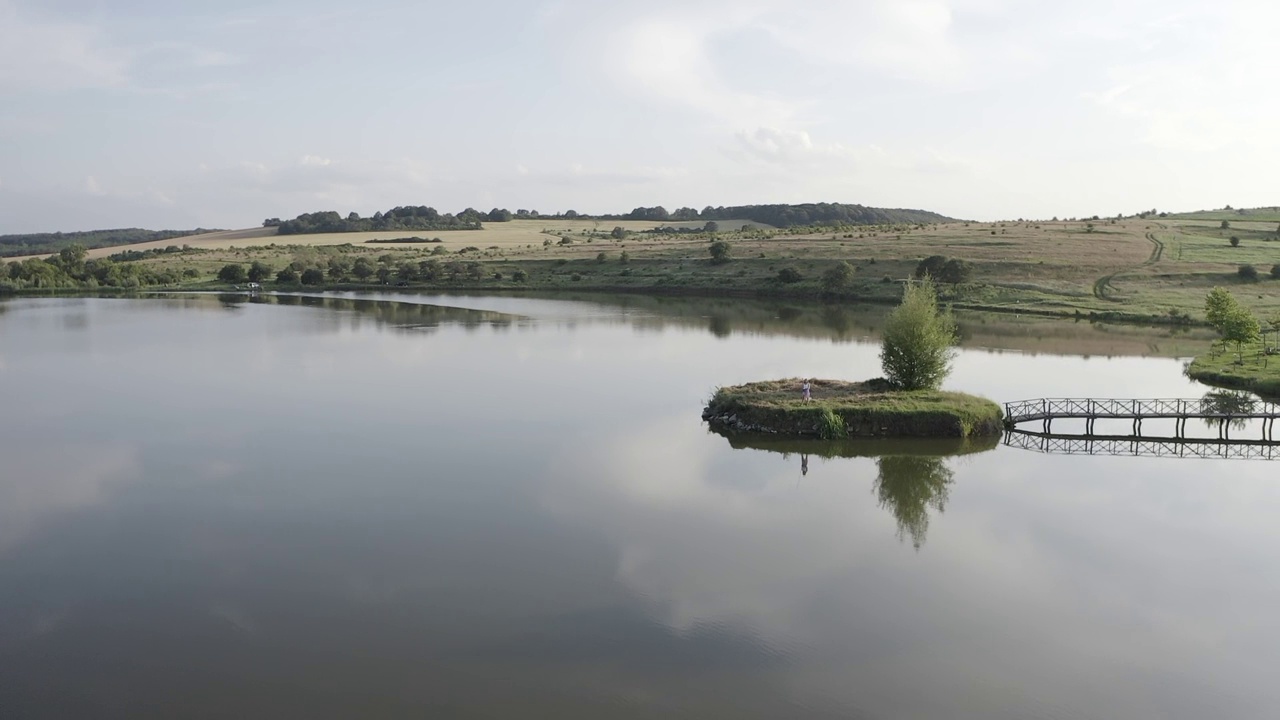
1231 319
919 340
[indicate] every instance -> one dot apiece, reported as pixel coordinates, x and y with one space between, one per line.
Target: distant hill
1261 214
50 243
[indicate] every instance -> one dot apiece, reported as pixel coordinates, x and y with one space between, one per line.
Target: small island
840 409
919 342
1244 360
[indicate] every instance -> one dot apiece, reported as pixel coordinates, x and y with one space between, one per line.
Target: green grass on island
840 409
1259 372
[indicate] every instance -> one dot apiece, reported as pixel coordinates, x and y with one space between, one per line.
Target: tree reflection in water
909 486
1228 402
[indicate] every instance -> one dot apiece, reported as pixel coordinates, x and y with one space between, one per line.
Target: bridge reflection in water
1226 409
1138 446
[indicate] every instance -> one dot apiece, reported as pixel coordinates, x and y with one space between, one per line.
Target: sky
163 114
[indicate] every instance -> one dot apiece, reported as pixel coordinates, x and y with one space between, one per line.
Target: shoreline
692 291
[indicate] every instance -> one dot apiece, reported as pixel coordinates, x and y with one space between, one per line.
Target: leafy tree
1235 241
1225 225
312 276
384 274
653 213
259 272
931 266
618 233
1218 304
1275 271
73 255
338 268
837 277
789 275
407 272
363 268
1247 273
601 258
232 273
519 276
1240 327
956 271
719 251
919 340
287 276
711 226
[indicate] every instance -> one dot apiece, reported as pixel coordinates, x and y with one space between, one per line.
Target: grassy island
841 409
916 353
1244 359
1258 372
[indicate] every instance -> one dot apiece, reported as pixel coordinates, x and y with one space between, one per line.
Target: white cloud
314 161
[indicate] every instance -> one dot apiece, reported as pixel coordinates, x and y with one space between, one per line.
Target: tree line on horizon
423 217
419 217
40 243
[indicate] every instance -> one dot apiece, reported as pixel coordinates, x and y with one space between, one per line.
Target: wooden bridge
1179 447
1226 410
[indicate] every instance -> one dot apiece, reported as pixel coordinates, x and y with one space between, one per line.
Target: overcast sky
218 113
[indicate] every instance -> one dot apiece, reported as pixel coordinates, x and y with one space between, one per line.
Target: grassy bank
1117 271
843 409
1258 372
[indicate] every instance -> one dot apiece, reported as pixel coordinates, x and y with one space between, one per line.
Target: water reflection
1228 402
914 478
383 313
314 512
909 486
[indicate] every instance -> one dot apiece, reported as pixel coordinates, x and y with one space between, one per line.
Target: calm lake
489 507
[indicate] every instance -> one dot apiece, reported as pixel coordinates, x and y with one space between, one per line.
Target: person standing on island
805 389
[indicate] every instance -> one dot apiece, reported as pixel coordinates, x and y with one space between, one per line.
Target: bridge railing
1042 408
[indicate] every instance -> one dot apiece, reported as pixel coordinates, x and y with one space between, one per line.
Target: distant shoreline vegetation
419 217
423 217
52 243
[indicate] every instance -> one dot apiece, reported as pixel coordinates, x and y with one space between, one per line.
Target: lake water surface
496 507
